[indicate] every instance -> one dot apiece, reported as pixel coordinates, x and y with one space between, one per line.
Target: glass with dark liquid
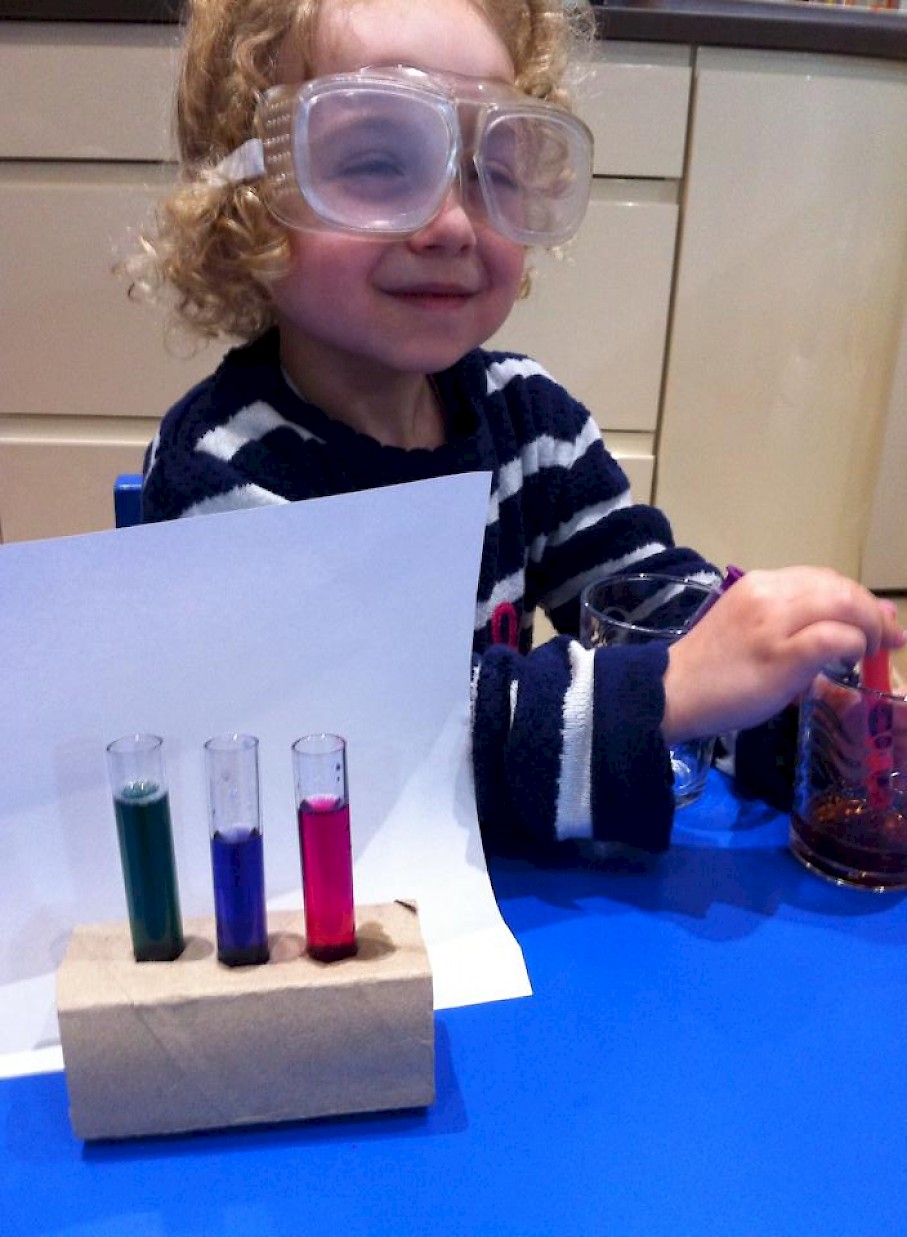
145 834
849 820
325 846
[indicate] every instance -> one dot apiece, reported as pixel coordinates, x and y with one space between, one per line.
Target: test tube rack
155 1048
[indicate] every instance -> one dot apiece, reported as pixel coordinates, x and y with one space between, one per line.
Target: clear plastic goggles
377 152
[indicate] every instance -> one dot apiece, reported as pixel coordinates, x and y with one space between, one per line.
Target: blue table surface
715 1046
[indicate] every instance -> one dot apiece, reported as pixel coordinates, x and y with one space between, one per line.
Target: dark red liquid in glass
850 840
327 877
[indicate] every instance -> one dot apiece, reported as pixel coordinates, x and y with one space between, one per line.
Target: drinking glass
849 820
639 609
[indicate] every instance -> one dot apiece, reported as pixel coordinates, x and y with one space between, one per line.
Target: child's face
415 305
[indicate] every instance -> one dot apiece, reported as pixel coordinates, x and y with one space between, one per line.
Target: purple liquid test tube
237 852
325 849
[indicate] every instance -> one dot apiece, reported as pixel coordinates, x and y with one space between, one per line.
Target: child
365 249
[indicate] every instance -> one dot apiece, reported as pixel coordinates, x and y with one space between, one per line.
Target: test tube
237 853
135 766
325 850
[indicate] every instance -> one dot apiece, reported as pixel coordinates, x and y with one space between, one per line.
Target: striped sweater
566 741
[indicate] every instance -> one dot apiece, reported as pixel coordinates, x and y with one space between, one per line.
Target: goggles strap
247 162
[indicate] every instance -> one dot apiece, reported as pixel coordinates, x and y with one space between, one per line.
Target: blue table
715 1046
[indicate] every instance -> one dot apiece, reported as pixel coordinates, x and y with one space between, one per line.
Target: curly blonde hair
217 246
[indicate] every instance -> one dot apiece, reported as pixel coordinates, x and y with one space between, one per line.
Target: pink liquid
327 877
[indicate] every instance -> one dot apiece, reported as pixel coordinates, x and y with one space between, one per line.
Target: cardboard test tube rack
166 1047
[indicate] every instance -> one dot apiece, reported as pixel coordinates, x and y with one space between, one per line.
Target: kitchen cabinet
56 473
884 565
789 301
84 374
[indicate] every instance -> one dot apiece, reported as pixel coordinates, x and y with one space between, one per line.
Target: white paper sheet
352 614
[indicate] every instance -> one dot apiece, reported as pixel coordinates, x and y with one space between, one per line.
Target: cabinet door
788 304
597 314
57 475
634 97
87 90
71 343
885 553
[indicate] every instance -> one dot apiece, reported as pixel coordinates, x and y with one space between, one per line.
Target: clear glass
849 821
639 609
141 804
325 847
237 849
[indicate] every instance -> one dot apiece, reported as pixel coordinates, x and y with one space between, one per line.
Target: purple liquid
327 877
237 860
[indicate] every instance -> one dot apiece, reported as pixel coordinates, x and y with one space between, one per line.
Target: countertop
739 23
791 26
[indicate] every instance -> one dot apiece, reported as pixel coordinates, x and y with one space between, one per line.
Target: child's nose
452 227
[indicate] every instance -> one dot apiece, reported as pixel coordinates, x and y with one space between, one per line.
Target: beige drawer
636 455
70 339
635 98
596 317
105 91
86 91
57 475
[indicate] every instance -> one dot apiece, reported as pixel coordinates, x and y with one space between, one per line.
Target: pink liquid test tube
325 848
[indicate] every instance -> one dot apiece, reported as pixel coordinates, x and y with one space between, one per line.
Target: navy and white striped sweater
566 742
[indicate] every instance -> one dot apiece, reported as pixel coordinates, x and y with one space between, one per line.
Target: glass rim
662 576
231 741
319 743
845 674
134 743
659 633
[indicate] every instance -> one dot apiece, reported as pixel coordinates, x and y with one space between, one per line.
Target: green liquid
149 869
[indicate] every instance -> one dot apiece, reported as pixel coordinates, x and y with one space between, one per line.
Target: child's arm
763 642
572 743
567 744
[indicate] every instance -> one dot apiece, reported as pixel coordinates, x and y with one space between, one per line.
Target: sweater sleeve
567 744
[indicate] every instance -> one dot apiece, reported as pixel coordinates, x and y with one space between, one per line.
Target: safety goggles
378 151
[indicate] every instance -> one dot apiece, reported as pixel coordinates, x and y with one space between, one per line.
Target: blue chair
127 499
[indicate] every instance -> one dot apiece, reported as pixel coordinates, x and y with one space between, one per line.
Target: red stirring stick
879 719
877 672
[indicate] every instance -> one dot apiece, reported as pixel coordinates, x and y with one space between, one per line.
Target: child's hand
762 643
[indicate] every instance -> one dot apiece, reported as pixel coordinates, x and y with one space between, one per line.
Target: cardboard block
164 1047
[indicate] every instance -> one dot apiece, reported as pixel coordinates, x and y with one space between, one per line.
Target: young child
362 180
